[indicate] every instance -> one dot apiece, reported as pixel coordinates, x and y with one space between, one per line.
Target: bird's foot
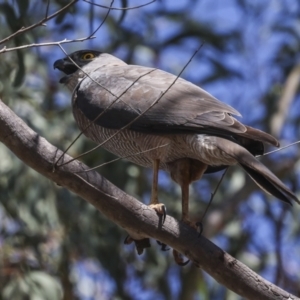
179 259
140 245
160 209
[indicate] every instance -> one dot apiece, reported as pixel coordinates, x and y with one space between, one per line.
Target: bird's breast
142 148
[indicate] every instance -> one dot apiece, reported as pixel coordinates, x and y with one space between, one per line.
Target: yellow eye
88 56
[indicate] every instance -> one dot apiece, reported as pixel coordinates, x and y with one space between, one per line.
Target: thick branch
131 214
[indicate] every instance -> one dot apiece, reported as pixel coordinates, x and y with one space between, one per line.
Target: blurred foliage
54 243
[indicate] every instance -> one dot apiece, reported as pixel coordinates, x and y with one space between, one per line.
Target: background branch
284 103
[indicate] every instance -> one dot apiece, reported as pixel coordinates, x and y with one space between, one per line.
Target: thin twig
213 195
279 149
65 41
103 21
120 8
47 9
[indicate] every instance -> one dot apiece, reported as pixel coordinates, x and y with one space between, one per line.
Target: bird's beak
66 66
59 64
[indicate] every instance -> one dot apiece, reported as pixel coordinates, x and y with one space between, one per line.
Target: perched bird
167 123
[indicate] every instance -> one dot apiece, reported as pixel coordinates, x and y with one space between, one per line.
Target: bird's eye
88 56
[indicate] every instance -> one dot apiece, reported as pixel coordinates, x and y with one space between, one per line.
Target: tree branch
120 8
284 103
139 220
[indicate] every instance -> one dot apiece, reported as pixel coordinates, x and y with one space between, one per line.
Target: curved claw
164 213
163 246
199 226
160 209
179 259
128 240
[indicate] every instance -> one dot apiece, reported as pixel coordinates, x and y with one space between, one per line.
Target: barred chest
142 149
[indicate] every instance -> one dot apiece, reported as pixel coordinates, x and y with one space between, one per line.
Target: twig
212 196
103 21
120 8
47 8
65 41
279 149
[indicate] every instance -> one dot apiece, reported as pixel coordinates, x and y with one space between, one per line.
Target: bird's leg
154 191
158 207
185 192
181 172
184 171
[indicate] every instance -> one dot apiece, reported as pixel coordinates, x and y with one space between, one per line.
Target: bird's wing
166 104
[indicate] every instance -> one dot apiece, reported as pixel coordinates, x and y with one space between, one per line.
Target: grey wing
122 93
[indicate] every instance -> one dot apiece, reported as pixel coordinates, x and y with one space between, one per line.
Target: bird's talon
199 227
178 257
160 209
182 264
128 240
164 213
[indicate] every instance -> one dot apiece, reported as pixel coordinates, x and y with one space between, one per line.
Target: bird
161 121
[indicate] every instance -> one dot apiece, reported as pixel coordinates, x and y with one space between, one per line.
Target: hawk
156 120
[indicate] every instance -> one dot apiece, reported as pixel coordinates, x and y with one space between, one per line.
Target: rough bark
129 213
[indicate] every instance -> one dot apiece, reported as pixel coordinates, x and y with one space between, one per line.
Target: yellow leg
158 207
154 191
185 202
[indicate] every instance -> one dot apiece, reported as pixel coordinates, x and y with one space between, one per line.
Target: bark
136 218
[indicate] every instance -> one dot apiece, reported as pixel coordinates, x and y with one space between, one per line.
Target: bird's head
71 63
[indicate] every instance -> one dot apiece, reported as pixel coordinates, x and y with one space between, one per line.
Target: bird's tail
263 177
